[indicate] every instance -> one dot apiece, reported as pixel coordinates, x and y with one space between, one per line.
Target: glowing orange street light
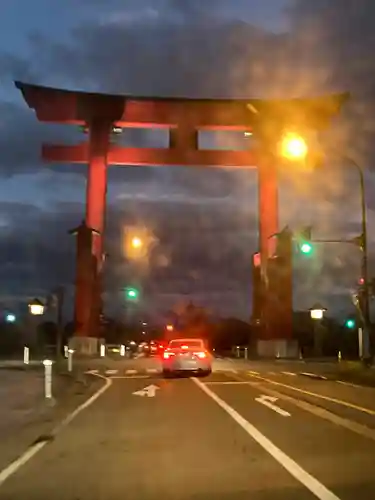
136 242
293 147
170 328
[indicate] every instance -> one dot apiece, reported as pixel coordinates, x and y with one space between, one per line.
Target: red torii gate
183 118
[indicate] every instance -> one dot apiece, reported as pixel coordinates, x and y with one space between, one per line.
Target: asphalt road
253 431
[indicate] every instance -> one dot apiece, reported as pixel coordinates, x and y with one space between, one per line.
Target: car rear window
175 344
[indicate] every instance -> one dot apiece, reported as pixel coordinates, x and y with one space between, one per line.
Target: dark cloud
194 250
182 49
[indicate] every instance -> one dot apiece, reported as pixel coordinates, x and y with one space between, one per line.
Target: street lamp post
317 313
36 310
293 147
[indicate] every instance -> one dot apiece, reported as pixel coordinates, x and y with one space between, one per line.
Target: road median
354 372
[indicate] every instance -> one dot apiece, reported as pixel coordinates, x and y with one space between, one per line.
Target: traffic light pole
364 302
364 295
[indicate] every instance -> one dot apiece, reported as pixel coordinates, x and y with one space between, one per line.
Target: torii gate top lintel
78 107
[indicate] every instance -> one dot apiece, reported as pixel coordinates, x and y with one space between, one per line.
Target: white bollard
102 350
122 350
26 355
70 359
47 378
66 351
238 351
246 354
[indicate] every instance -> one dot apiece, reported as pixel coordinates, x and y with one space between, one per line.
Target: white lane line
290 373
14 466
306 479
349 384
111 372
130 372
369 411
152 370
313 375
253 372
227 382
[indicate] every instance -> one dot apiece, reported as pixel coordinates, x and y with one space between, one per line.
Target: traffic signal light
132 293
304 241
350 323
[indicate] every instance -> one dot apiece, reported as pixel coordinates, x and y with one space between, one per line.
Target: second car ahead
186 356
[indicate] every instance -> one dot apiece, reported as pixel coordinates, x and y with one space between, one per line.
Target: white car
186 356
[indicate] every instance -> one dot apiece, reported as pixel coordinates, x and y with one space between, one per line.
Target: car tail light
167 355
200 355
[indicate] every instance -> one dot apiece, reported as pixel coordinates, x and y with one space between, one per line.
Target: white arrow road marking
149 391
268 401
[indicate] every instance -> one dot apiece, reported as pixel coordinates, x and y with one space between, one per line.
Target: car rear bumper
184 366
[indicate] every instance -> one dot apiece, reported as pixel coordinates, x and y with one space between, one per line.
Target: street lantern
170 328
293 147
317 311
36 307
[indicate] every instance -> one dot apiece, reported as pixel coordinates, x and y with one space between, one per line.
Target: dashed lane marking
290 374
226 382
131 372
111 372
349 384
152 370
253 372
313 375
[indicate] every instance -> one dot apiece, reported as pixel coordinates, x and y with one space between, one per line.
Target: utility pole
59 294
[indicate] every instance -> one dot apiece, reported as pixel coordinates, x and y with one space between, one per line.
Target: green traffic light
132 293
350 323
306 248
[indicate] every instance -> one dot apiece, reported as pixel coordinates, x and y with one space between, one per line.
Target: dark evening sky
204 223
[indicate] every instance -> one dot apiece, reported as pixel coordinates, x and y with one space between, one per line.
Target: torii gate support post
96 191
82 342
276 323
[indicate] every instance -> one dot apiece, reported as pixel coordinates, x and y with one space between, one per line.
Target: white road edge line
312 484
14 466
